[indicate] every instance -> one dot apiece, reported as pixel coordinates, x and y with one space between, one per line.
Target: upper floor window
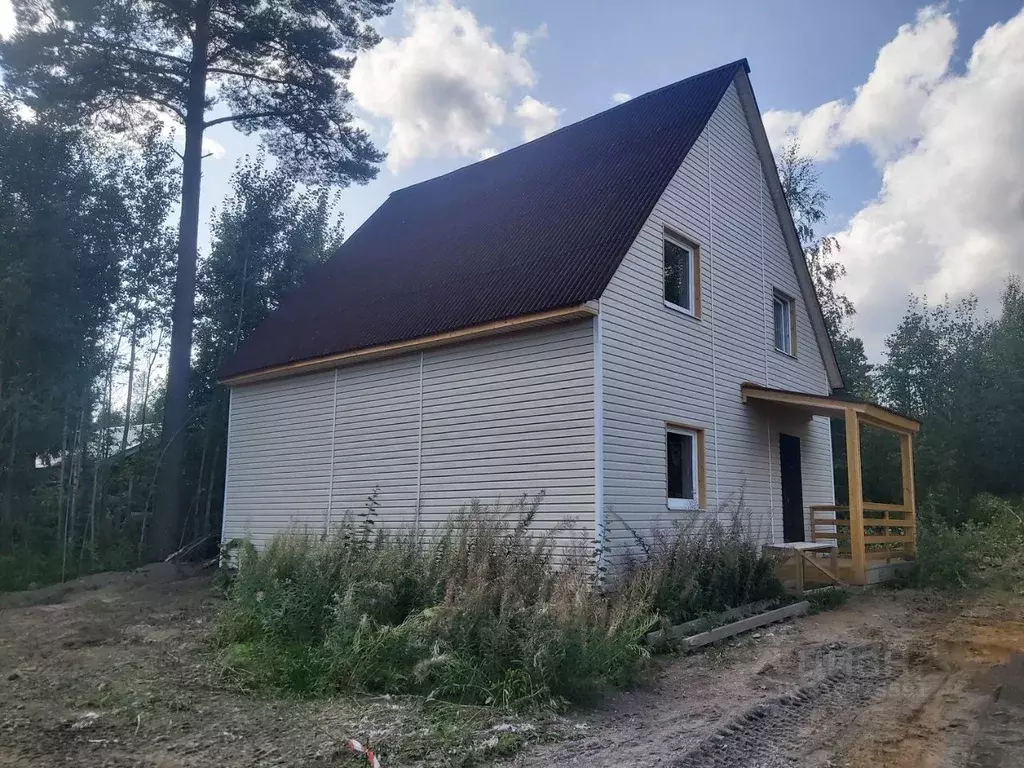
682 271
785 323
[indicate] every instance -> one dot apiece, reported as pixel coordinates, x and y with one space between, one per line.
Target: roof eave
392 349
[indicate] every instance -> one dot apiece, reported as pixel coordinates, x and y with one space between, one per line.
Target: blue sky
915 113
801 53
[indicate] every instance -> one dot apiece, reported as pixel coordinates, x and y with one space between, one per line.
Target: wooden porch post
856 485
909 501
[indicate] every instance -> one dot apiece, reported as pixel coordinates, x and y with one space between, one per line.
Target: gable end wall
662 366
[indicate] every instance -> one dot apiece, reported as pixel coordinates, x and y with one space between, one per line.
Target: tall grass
700 566
485 610
476 613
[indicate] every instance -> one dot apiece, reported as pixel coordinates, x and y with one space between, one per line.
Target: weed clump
985 551
699 568
483 611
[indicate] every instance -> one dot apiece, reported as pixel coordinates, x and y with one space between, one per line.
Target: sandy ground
116 670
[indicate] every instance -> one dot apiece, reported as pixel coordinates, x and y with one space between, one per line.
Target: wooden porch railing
889 529
863 530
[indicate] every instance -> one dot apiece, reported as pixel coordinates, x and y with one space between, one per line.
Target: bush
699 568
484 611
988 550
477 613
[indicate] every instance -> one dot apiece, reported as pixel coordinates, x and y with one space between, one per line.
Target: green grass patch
985 551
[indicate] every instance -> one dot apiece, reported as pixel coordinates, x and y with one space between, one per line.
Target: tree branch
250 116
166 105
252 76
159 55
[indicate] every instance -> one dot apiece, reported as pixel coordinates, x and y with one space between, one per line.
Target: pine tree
277 69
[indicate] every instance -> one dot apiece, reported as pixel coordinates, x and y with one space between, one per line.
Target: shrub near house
485 612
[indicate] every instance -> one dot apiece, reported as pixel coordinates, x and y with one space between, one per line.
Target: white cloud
213 148
7 22
620 97
537 118
886 110
815 131
445 86
948 216
487 152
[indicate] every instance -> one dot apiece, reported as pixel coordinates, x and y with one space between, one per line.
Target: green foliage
267 235
476 613
959 373
696 569
985 551
807 200
277 69
83 268
827 599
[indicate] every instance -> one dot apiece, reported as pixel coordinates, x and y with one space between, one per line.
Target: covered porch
861 542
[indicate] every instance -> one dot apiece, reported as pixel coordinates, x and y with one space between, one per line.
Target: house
609 315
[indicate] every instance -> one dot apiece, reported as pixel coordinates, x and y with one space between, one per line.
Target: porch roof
831 406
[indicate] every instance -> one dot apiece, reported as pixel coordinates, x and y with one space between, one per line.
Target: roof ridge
631 102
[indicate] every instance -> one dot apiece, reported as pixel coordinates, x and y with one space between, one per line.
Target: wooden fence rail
889 529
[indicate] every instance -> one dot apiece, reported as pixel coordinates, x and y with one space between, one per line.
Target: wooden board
705 623
745 625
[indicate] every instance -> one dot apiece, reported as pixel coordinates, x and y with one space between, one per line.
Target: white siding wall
278 460
662 366
501 417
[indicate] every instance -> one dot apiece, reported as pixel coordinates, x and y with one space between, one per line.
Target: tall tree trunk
207 526
63 468
76 474
131 378
144 414
168 518
7 508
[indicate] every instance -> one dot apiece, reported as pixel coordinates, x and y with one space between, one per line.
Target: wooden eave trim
483 330
868 413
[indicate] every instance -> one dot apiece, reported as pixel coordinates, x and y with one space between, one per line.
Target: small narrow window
784 317
680 269
683 465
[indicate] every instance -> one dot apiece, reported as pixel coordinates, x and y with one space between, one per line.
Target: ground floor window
683 448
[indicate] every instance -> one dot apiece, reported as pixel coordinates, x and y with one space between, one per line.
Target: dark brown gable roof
539 227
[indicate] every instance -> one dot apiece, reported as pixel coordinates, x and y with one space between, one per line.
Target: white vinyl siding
278 456
501 417
663 367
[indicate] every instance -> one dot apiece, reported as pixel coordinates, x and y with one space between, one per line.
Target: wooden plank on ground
705 623
744 625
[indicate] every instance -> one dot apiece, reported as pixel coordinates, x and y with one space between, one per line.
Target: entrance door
792 489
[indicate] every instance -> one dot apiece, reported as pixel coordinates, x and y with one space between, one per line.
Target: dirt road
117 671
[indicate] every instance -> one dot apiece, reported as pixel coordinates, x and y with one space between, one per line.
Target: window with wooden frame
682 274
784 312
684 464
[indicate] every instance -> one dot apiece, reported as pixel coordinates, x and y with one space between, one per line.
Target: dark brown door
792 489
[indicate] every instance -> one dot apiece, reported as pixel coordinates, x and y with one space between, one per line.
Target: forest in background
86 260
91 265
